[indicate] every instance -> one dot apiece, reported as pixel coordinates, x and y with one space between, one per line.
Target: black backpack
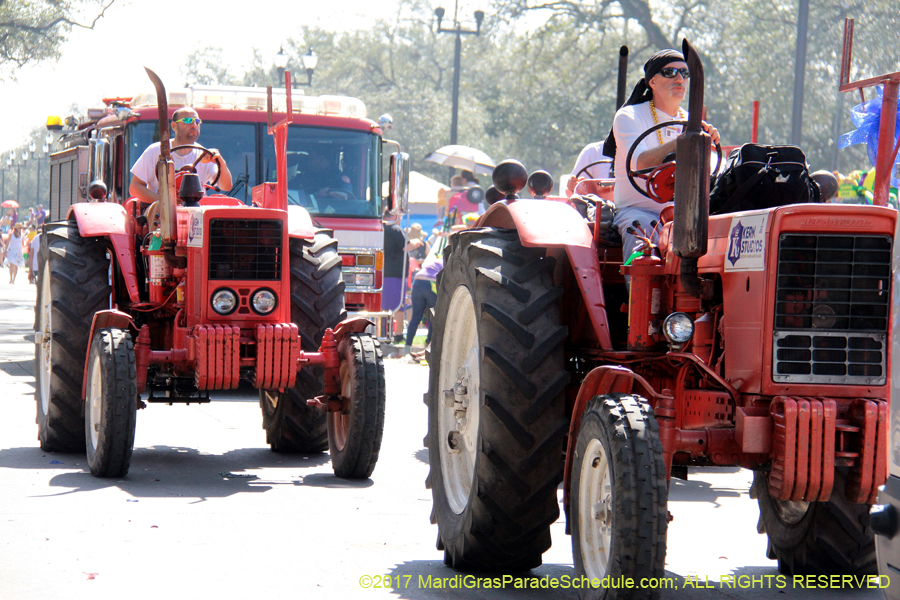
762 177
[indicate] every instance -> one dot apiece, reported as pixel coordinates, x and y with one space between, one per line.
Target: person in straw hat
14 254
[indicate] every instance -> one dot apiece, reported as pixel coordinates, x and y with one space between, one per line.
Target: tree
540 81
34 31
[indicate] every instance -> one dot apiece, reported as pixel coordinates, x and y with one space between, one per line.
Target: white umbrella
463 157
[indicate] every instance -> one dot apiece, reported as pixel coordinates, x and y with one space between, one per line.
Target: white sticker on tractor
195 229
747 243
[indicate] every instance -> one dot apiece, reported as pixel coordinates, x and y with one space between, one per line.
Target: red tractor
755 339
219 293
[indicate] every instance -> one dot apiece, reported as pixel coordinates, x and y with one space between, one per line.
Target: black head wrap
642 92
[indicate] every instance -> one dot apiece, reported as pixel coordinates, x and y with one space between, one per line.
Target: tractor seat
590 207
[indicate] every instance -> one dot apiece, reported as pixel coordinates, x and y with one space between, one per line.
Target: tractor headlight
263 301
678 328
224 301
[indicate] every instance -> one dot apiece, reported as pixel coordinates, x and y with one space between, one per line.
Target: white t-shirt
591 154
145 167
630 122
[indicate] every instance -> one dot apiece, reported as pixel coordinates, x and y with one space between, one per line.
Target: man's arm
655 156
225 182
139 189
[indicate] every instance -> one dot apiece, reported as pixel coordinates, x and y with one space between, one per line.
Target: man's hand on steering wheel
661 178
207 155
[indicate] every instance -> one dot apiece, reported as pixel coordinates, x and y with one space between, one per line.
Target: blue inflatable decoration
867 118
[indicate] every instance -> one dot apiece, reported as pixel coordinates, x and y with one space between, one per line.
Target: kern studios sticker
195 229
747 243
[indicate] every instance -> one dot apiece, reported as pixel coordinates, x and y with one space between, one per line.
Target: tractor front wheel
111 403
354 435
816 538
618 495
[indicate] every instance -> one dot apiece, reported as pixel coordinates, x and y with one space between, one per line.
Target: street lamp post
457 49
310 60
281 61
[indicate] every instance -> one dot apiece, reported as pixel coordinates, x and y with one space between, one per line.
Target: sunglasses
670 72
192 120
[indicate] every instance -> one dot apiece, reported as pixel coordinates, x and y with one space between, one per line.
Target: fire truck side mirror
398 196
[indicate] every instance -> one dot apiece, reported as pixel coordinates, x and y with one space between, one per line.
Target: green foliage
33 30
540 81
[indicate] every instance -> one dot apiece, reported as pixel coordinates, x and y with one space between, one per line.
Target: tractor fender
300 224
351 325
555 224
607 379
108 219
540 223
106 318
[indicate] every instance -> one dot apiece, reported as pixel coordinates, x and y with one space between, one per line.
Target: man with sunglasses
655 99
186 126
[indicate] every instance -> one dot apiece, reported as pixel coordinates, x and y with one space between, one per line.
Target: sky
108 61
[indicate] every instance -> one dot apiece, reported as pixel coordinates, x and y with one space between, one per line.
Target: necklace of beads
659 137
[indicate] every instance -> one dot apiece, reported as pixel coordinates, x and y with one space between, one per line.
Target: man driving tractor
186 125
655 99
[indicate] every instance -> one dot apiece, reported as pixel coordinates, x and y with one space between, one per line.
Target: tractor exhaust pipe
623 72
165 169
691 225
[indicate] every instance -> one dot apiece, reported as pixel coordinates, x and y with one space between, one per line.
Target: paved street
208 511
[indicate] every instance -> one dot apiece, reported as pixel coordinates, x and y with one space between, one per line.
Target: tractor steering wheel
192 168
593 164
660 178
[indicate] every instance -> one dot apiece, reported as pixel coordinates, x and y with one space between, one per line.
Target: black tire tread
317 303
834 538
357 459
506 525
77 268
112 457
639 490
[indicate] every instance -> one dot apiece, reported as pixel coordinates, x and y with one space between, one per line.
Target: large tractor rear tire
496 403
816 538
74 284
317 303
111 403
354 438
619 496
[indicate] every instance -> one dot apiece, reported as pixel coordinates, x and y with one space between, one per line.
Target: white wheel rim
458 422
95 400
46 341
595 516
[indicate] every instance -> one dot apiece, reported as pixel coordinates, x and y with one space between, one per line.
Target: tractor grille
245 249
832 307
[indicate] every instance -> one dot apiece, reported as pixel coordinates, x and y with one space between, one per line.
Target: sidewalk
17 326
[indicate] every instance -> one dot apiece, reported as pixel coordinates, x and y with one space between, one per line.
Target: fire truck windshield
331 172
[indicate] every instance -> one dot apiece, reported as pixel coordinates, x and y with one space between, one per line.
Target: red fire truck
328 132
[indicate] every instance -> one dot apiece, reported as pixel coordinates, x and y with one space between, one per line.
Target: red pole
754 128
884 160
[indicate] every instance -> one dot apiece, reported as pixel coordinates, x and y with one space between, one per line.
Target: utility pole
799 72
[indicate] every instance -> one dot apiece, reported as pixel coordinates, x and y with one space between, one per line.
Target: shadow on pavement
328 480
166 471
18 368
700 491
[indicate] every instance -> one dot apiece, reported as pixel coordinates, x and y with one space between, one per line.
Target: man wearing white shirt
655 99
186 125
